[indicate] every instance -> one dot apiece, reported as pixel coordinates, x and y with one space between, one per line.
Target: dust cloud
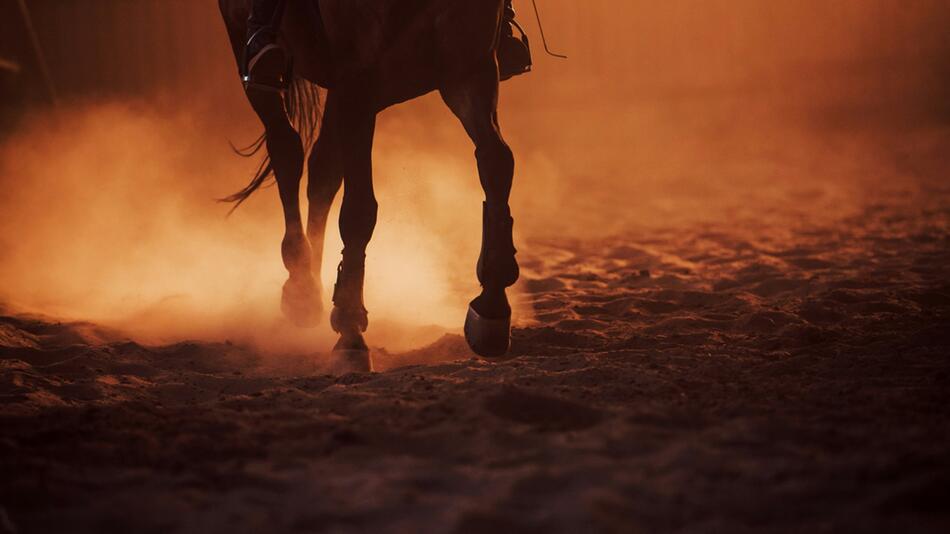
111 217
665 114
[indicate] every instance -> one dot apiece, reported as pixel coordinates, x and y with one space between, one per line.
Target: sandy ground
779 370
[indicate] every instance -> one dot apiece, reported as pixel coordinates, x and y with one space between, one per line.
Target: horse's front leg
356 126
300 299
474 101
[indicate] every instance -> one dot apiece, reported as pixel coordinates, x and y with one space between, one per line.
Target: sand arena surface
780 366
733 219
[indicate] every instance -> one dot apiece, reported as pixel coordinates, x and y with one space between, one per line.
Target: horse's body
382 52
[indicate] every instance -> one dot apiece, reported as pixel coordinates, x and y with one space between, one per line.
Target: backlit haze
667 114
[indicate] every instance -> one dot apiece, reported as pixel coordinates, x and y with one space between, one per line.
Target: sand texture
698 377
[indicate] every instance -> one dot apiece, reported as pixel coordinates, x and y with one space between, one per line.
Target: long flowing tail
305 110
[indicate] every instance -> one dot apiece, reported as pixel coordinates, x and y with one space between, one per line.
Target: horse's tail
304 109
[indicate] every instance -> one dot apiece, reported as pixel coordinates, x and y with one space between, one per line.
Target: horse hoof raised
344 361
300 302
489 338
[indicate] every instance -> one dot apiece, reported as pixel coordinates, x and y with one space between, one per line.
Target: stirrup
269 70
514 54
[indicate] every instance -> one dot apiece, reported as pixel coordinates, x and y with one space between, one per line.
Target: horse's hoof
300 302
489 338
344 361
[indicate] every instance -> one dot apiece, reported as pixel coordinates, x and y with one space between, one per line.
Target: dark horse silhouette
372 54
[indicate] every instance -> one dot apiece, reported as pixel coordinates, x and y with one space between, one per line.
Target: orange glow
666 113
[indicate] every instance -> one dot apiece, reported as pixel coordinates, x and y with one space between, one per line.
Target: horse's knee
496 165
496 151
357 219
359 205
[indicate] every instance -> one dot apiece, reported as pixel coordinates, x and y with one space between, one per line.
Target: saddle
269 69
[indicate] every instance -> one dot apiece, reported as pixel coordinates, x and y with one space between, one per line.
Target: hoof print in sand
541 411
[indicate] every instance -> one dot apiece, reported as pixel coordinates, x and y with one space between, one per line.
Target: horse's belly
441 45
407 47
403 77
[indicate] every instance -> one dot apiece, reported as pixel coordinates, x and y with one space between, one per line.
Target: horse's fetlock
295 251
497 266
348 290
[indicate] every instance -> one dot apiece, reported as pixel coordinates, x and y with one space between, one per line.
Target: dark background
871 50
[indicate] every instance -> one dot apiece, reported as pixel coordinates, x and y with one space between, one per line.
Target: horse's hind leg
300 301
325 176
474 102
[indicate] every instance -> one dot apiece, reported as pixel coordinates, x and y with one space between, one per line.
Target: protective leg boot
488 323
497 267
349 314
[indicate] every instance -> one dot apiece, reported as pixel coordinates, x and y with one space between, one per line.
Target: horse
370 55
